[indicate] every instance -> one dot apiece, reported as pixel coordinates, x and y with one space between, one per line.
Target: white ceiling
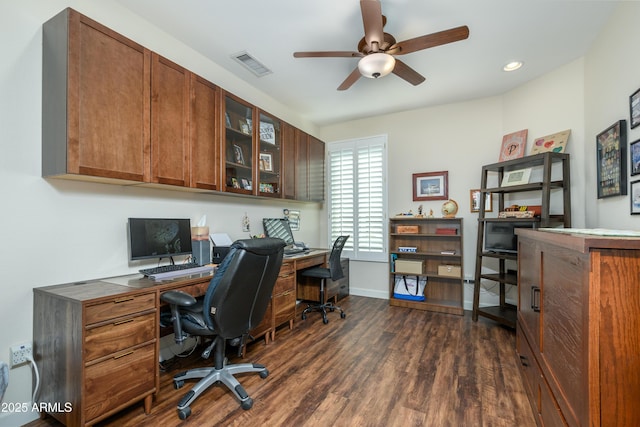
543 33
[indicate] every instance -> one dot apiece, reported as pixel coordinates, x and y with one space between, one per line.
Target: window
358 196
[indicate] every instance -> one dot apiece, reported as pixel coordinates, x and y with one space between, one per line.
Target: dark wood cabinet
96 101
113 111
578 320
204 121
170 102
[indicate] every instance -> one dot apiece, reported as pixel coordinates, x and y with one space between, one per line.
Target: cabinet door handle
523 361
535 298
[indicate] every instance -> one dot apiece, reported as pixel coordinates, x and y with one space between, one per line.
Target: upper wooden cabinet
113 111
95 102
169 122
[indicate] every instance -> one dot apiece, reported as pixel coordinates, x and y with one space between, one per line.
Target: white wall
56 231
612 74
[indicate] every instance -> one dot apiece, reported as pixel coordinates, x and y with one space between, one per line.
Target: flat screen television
159 237
501 237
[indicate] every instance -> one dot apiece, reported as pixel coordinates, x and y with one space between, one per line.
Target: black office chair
334 272
235 302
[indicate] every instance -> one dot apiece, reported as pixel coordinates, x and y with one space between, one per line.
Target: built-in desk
97 342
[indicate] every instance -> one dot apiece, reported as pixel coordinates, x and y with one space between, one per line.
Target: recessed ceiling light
512 66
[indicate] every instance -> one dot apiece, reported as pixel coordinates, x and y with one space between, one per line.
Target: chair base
323 308
211 376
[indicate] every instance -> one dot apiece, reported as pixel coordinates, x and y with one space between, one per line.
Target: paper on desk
221 239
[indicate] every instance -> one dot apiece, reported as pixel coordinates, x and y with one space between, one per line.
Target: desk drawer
313 261
119 306
126 377
286 269
285 283
117 335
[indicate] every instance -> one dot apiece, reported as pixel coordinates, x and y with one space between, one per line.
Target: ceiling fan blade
403 71
328 54
350 80
372 20
430 40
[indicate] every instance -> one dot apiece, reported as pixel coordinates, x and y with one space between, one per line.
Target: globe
449 209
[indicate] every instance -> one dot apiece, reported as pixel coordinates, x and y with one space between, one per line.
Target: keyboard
293 251
167 271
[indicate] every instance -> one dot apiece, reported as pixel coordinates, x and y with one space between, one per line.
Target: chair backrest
334 259
240 290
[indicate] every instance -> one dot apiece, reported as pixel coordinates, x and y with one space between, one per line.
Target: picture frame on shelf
238 155
634 109
474 201
516 177
244 126
235 183
227 120
634 157
430 186
266 163
267 133
611 155
635 198
513 145
246 184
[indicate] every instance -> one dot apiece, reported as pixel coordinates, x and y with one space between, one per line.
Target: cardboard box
408 266
408 229
450 270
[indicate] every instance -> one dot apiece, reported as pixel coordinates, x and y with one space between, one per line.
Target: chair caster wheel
331 309
184 413
325 320
304 316
247 404
264 374
178 384
342 315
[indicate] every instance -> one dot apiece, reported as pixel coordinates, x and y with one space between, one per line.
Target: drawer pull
535 298
523 361
123 355
284 276
125 299
122 322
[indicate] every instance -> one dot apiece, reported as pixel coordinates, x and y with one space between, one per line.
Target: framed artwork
612 160
267 132
294 218
244 126
634 154
513 145
237 154
635 198
265 162
556 143
474 201
430 186
634 109
517 177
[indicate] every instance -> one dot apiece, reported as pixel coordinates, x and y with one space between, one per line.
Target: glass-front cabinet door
238 146
269 156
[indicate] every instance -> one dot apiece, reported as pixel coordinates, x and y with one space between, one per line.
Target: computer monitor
278 227
159 237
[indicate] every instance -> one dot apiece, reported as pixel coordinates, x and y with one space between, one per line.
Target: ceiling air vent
251 63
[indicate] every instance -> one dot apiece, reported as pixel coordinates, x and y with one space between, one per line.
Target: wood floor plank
381 366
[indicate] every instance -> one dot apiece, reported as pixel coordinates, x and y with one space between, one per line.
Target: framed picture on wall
634 109
430 186
634 156
611 146
635 198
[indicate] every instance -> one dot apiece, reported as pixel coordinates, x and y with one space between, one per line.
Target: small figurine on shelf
420 215
430 213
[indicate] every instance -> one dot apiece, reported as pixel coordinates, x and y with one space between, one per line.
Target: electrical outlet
20 353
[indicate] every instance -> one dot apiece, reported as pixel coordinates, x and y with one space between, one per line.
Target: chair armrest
180 298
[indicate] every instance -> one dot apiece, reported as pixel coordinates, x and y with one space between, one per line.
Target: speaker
201 252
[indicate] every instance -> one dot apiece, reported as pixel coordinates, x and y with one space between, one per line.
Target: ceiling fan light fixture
512 66
376 65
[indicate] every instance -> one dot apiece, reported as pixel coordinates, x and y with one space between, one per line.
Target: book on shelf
447 231
407 249
516 214
447 252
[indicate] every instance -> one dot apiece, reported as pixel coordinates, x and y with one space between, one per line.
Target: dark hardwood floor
381 366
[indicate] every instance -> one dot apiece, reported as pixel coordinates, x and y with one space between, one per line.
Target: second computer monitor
278 227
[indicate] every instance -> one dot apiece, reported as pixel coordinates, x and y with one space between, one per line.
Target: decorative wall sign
513 145
611 145
555 143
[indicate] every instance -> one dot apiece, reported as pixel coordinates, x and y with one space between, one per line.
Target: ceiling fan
378 50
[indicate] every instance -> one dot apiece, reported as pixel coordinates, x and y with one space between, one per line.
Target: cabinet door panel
564 328
108 103
204 122
529 292
169 122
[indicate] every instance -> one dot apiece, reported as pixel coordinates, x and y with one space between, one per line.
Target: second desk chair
334 272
